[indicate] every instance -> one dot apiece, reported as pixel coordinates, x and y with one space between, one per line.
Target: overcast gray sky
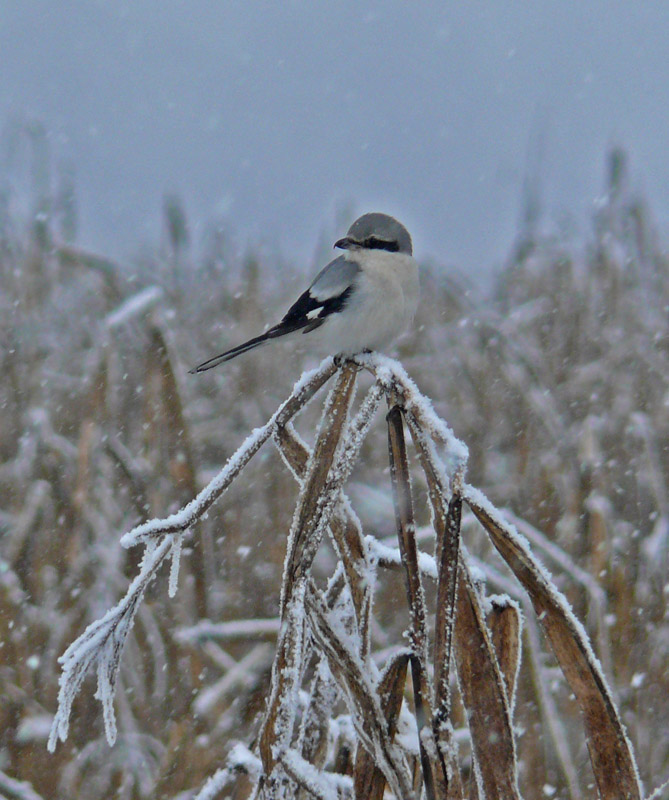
272 114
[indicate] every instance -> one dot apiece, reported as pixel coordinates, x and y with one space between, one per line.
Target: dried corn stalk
361 730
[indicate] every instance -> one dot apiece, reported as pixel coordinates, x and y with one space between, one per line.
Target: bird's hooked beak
346 243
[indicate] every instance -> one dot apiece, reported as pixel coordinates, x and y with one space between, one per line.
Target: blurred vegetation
557 378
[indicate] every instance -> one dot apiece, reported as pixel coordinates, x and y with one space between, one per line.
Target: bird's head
377 232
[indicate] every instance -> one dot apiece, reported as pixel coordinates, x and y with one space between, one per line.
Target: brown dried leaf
368 780
505 626
484 696
610 750
406 534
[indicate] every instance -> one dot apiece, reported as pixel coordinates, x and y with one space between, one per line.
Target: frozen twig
321 785
101 645
17 790
361 696
346 533
393 377
302 540
240 761
321 492
183 519
278 724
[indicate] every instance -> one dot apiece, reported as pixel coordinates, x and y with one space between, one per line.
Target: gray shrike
360 301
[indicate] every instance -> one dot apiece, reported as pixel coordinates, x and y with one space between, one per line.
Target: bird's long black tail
287 325
236 351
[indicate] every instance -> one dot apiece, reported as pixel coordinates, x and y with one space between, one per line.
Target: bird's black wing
328 294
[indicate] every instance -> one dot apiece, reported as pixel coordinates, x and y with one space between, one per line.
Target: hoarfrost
175 556
101 644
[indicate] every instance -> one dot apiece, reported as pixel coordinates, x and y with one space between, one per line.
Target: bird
360 302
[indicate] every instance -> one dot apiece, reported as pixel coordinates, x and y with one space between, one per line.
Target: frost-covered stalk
361 695
353 735
310 505
346 534
101 644
333 457
406 534
303 391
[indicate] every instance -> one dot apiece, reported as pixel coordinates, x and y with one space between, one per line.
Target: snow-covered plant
557 380
325 633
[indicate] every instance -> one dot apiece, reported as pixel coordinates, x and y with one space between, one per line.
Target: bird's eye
374 243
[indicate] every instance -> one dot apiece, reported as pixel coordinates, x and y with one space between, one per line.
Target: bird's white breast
382 305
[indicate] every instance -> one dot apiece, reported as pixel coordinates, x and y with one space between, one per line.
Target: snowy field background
556 377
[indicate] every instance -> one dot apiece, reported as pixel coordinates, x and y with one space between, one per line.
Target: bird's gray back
334 279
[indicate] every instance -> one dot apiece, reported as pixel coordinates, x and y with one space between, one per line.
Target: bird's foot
340 359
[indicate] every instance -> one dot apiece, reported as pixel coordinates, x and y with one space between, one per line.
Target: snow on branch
319 784
391 375
384 739
240 761
102 643
353 677
183 519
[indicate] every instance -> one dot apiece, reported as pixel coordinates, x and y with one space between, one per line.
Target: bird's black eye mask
374 243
